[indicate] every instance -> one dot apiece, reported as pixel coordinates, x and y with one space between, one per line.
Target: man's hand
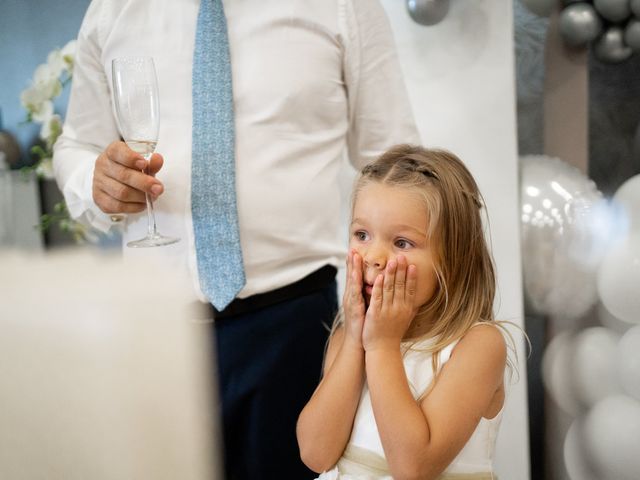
119 182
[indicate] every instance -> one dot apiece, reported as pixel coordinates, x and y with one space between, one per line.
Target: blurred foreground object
102 374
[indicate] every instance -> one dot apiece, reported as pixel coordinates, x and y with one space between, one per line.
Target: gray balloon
632 34
428 12
579 24
541 8
613 10
635 7
610 47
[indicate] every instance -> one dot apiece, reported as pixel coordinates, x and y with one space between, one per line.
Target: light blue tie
213 192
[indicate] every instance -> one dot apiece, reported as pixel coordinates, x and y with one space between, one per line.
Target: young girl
413 383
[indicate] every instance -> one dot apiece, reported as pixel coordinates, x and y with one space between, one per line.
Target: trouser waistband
317 280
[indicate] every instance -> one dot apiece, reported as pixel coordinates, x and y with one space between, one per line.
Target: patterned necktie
213 192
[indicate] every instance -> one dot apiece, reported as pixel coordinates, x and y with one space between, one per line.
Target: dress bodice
365 446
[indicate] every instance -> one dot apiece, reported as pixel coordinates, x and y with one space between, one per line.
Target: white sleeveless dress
364 459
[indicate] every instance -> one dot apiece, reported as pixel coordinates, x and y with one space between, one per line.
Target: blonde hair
463 264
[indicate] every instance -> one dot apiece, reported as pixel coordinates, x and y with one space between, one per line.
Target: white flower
32 98
44 87
44 75
56 64
43 112
51 128
45 169
68 53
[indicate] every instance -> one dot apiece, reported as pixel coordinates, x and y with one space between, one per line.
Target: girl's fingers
357 269
389 281
355 277
410 290
376 293
401 279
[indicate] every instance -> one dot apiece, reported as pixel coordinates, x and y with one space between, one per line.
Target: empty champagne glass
135 91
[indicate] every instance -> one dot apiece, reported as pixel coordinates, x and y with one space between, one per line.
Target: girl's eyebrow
410 228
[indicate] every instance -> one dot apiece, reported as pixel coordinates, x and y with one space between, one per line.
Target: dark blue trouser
269 364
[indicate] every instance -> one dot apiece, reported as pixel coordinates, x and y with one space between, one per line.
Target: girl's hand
353 301
391 308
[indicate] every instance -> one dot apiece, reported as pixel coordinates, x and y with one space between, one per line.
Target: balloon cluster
612 27
579 251
594 376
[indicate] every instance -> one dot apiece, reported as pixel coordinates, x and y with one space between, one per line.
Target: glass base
156 240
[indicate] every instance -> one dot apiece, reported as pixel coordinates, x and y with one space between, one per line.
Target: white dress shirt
312 80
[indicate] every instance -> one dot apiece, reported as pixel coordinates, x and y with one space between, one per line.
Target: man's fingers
133 178
155 164
108 204
121 154
119 191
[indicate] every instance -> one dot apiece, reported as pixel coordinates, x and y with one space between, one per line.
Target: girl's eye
403 244
360 235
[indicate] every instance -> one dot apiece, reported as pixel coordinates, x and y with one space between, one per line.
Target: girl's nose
375 258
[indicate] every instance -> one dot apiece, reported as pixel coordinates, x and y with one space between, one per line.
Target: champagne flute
135 91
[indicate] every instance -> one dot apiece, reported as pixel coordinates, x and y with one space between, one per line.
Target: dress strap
360 461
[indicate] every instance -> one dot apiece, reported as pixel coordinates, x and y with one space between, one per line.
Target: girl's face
389 221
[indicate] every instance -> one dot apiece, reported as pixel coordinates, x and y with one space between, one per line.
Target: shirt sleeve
380 114
89 126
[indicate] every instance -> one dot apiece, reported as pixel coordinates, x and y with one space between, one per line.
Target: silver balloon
564 220
613 10
579 24
610 47
541 8
632 34
428 12
635 7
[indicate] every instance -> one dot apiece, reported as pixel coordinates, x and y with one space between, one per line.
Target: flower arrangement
49 80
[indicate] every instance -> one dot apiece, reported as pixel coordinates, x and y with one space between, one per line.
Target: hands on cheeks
391 308
121 178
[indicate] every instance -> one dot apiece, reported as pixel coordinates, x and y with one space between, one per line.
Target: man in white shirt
311 80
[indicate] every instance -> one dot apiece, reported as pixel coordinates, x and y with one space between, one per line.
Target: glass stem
151 217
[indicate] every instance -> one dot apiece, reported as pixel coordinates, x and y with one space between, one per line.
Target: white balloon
557 374
619 279
628 362
627 197
612 437
565 225
575 459
610 321
594 365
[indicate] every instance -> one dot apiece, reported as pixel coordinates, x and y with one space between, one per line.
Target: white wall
460 77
